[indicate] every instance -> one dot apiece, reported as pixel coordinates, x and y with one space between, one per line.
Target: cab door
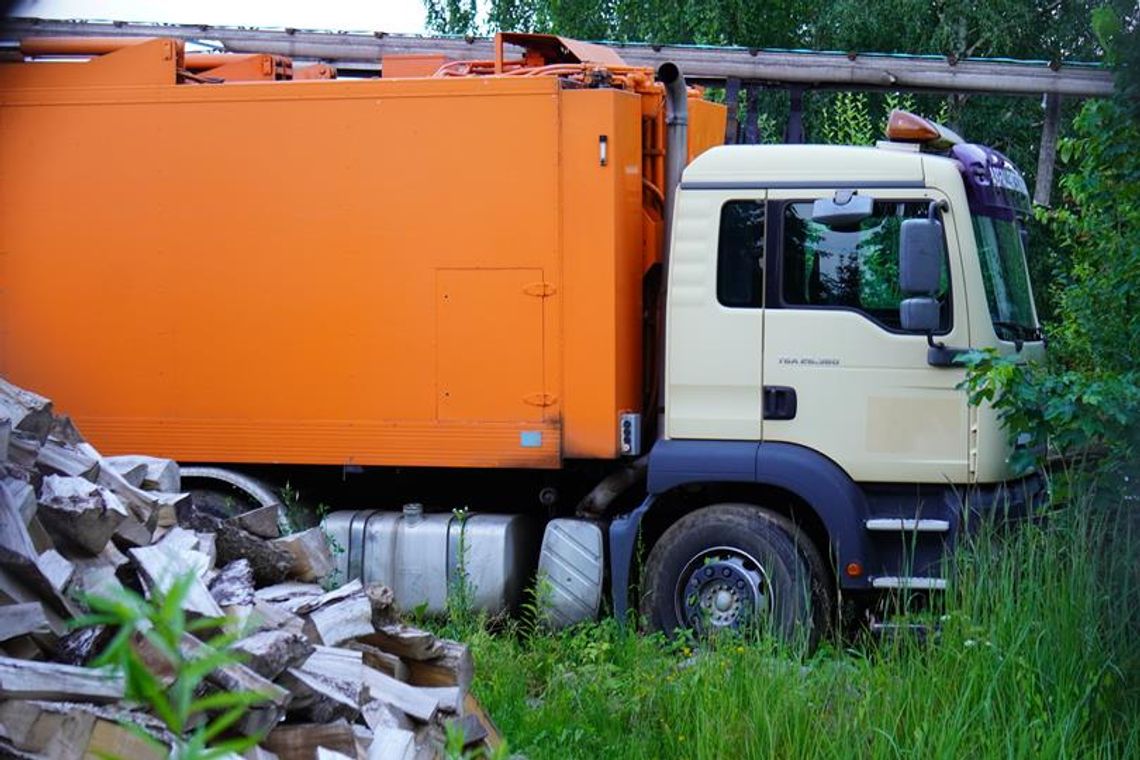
715 323
865 395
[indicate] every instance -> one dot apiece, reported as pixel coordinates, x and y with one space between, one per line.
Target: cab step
921 633
905 525
909 582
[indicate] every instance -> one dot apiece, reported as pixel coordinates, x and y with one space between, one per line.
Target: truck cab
808 424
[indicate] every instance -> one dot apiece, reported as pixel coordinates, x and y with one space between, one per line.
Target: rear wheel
737 567
223 493
221 502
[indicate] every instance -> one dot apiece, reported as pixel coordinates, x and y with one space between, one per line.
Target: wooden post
732 103
752 114
794 132
1047 157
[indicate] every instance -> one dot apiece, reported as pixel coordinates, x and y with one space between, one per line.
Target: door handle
779 402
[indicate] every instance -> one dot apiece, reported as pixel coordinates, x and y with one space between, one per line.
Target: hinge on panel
540 399
539 289
972 461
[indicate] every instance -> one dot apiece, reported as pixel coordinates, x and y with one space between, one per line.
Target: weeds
298 516
460 591
334 579
536 609
1036 657
455 739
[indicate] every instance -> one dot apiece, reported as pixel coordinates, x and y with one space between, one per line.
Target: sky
393 16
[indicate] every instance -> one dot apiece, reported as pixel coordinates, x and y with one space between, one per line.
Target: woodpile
342 677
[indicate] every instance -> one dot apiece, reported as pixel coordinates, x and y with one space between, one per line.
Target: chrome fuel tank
418 555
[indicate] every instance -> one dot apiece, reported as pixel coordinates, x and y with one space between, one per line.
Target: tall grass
1038 655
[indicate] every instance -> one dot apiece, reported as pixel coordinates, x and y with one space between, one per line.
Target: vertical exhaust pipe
676 156
676 143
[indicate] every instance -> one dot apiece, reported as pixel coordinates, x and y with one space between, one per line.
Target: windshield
1006 278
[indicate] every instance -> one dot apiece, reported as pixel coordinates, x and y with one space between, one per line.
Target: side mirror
844 210
920 256
920 314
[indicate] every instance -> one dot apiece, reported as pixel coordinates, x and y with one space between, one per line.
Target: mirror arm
935 207
938 354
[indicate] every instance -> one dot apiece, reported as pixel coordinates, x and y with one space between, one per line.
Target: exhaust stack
676 143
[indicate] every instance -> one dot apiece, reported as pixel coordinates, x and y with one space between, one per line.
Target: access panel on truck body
436 272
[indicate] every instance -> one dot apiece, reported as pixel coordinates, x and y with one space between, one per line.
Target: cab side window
855 268
740 255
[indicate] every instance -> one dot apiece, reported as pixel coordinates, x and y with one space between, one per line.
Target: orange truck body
430 271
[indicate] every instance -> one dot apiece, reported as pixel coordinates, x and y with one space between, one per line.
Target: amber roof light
903 126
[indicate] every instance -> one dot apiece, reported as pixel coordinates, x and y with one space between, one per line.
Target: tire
223 493
220 503
738 567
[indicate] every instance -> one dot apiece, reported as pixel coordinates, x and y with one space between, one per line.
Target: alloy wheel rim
722 588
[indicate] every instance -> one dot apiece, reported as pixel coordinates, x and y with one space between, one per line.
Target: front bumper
1010 501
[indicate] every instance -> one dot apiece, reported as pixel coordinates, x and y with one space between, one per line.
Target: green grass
1038 656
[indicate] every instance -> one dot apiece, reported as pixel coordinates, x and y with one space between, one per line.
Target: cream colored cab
791 311
715 340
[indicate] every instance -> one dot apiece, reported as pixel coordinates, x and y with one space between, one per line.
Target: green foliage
336 548
536 609
1036 657
298 516
452 16
1060 410
903 101
454 740
1035 29
1098 227
197 720
847 121
709 22
1088 396
460 591
512 16
962 28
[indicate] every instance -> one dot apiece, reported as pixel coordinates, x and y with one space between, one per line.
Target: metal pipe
676 157
676 142
597 502
714 65
206 61
77 46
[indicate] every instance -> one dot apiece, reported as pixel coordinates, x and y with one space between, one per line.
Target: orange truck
485 283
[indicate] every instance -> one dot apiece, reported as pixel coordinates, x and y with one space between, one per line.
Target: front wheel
737 567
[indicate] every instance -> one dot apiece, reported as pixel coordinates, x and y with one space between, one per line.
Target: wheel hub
721 588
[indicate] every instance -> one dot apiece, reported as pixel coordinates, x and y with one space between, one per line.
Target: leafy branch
167 677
